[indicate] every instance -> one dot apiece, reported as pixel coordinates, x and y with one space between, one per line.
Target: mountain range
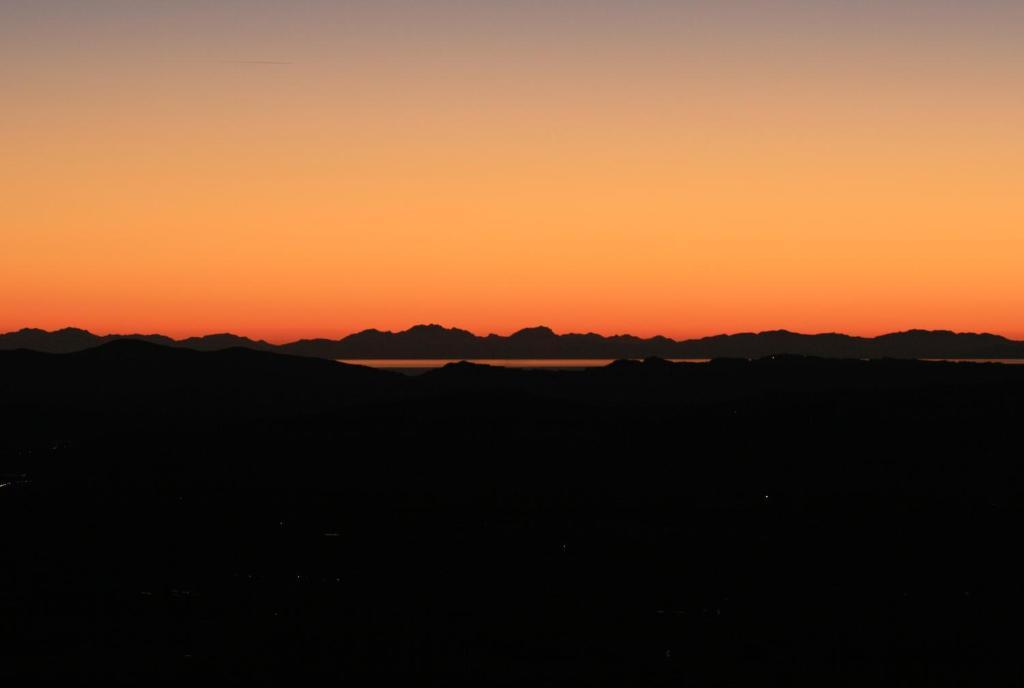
435 341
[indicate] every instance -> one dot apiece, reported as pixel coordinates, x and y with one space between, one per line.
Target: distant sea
424 364
420 365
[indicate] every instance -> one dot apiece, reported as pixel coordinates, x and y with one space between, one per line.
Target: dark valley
251 517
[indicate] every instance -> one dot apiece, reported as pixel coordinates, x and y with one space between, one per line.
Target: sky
301 168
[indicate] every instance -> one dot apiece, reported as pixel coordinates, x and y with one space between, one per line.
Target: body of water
422 364
419 365
1007 361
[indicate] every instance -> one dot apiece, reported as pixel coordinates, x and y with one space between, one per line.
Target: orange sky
649 167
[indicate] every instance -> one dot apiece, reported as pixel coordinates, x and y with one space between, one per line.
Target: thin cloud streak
224 62
254 62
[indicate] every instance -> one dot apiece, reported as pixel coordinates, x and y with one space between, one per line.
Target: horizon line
282 342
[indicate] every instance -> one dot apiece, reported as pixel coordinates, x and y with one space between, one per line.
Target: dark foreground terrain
173 516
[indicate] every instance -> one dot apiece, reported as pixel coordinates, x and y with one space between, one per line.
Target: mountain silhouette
72 339
435 341
130 374
139 376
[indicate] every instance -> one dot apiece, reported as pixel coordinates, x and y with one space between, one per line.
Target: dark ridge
246 517
535 333
435 341
214 342
135 349
133 376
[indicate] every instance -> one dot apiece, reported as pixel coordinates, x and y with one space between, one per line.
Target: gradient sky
681 167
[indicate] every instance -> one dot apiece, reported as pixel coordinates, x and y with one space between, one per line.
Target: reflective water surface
414 365
528 363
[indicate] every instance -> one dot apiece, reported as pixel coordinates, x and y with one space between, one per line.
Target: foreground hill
136 376
434 341
255 518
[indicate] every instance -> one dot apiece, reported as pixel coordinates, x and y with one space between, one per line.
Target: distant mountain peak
435 329
221 336
538 331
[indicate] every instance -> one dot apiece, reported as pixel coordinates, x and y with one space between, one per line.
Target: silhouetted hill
73 339
216 342
434 341
133 376
58 341
179 516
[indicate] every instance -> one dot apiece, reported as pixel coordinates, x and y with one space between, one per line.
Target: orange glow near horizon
601 172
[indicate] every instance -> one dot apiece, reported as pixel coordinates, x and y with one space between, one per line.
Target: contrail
238 62
254 62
